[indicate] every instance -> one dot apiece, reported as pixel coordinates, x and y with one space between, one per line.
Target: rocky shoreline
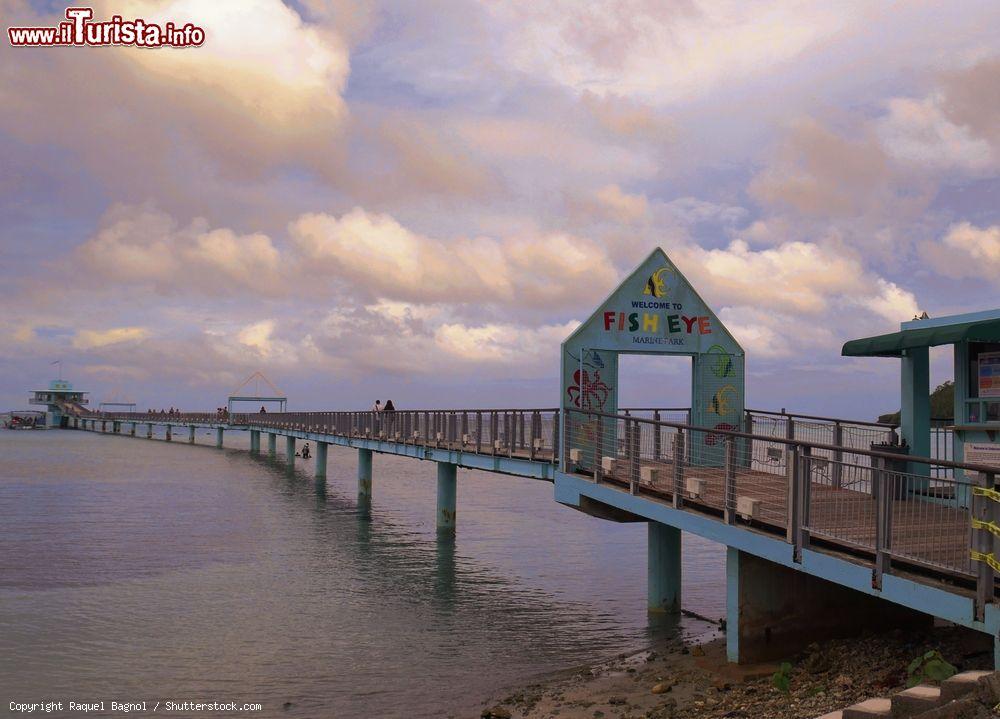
678 679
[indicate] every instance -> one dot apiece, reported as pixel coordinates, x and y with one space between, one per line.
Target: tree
942 404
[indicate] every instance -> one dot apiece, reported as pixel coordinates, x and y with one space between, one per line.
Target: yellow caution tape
985 557
990 526
988 493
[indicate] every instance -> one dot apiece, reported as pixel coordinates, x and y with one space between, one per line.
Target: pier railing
525 433
887 508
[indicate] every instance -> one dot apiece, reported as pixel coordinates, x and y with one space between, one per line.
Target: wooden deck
932 532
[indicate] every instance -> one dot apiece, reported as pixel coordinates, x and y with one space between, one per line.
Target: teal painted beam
447 490
915 401
663 568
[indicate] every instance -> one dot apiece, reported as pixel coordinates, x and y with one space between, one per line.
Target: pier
830 525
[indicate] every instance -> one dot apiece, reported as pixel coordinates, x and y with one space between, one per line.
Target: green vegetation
782 679
929 667
942 404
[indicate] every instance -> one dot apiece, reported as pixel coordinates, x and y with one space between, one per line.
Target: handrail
801 443
841 420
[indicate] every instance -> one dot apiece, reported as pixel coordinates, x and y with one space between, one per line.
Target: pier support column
149 431
116 428
272 444
447 489
663 568
218 437
774 612
131 431
365 480
191 434
321 460
170 433
290 450
255 441
104 426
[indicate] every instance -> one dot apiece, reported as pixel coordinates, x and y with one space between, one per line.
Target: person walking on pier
263 410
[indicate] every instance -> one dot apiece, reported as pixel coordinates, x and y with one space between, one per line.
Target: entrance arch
654 311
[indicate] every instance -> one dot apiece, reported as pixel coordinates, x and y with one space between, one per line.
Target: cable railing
885 507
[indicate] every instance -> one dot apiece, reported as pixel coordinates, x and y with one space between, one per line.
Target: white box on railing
538 443
466 439
608 465
398 435
497 444
575 455
439 436
695 487
381 434
748 507
649 475
416 434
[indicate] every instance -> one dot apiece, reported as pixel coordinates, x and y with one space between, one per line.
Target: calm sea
136 570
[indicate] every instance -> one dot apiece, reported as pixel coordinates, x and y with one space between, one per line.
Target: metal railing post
792 469
633 456
804 501
557 450
729 503
657 439
983 510
883 516
837 474
479 431
678 468
599 450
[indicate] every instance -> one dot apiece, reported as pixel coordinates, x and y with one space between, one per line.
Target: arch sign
655 311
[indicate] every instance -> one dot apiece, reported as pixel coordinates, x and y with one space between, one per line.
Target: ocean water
135 570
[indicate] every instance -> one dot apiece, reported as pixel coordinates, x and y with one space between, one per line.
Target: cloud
376 254
90 339
140 244
820 173
919 132
503 343
661 52
966 251
264 91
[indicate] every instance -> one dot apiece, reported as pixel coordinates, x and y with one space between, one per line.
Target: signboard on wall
986 453
989 374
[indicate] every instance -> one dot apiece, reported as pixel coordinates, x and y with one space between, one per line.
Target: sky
419 200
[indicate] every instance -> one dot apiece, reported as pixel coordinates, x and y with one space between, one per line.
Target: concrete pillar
663 568
290 450
149 431
364 480
218 437
321 460
132 430
170 432
272 444
255 441
191 434
774 612
104 426
447 489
